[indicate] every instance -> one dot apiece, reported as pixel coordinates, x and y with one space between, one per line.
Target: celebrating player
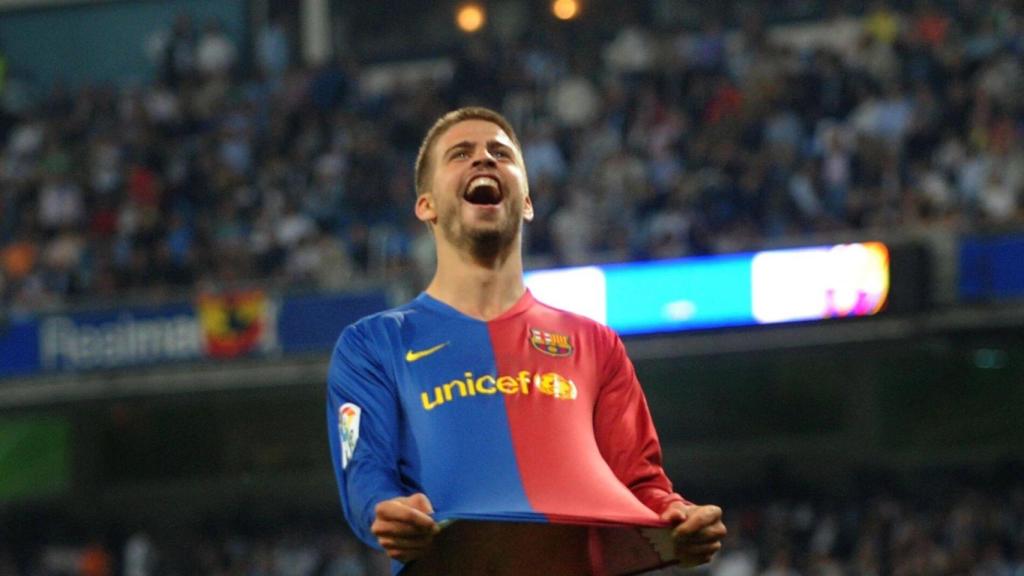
475 404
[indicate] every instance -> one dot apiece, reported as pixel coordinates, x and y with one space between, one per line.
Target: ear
528 208
425 211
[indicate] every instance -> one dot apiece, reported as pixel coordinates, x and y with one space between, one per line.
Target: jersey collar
522 305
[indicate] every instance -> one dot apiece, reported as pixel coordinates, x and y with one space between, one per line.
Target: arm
363 429
629 443
625 432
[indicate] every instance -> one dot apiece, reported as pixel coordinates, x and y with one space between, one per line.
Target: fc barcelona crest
551 343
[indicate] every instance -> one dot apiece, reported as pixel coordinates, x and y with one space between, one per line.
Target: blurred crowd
942 528
298 548
970 532
647 143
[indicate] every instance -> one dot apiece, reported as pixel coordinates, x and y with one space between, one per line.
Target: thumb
675 513
420 502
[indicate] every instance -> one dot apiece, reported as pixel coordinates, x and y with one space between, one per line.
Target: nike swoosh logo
411 356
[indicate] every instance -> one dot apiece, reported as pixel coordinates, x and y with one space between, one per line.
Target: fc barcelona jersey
534 416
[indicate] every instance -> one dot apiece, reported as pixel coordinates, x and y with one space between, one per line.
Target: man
477 404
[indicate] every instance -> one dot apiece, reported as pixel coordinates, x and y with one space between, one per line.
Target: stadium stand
674 143
239 167
955 526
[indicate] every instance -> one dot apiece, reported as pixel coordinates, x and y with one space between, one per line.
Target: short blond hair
423 160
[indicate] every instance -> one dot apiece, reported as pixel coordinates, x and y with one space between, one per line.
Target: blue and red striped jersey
534 416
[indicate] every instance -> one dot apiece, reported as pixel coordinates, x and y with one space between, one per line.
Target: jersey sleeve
363 430
625 432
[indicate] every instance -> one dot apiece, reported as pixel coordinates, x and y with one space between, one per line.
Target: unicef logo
555 385
549 384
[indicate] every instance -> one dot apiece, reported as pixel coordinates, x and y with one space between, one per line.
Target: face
478 195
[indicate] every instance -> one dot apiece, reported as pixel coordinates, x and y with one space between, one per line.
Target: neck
479 288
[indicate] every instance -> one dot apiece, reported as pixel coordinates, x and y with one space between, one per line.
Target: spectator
542 153
60 199
215 52
632 52
174 51
574 229
95 561
574 101
882 23
209 173
140 556
273 50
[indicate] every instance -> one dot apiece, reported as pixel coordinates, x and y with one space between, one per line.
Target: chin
489 243
483 239
485 228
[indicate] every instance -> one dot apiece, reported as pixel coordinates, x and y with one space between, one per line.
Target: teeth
482 181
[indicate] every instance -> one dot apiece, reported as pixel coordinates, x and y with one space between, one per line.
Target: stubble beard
482 244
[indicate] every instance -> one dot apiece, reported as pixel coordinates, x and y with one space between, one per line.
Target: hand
698 532
403 526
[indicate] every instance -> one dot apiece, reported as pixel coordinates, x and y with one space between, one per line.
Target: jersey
535 416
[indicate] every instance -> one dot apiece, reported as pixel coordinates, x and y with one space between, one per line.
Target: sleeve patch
348 431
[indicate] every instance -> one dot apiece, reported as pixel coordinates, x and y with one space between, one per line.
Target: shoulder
564 315
377 331
371 345
577 322
385 320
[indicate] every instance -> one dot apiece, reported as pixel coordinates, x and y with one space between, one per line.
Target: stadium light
470 17
565 9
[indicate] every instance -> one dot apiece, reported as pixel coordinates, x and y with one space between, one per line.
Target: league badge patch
550 343
348 431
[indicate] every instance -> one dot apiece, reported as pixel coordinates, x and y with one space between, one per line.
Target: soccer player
522 426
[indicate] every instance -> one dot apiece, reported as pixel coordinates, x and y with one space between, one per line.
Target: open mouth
484 191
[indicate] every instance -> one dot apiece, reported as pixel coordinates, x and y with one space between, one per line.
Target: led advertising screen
816 283
991 267
677 295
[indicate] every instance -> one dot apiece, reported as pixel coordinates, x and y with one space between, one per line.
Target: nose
484 158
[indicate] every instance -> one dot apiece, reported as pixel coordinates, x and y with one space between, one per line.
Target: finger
400 529
402 543
700 550
395 511
404 555
698 519
394 529
713 533
698 555
403 526
420 502
676 513
693 562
